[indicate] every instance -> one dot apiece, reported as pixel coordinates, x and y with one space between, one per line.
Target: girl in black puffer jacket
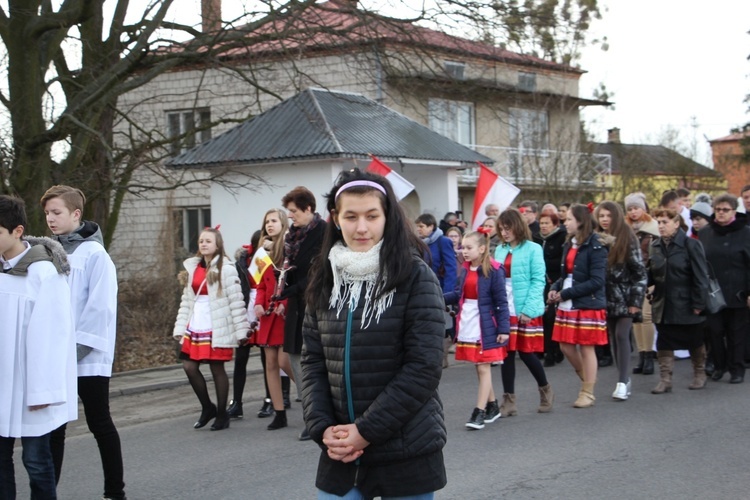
373 349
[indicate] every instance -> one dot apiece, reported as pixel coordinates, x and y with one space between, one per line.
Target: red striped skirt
198 348
473 352
581 327
528 337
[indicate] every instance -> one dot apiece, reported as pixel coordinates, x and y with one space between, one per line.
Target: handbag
715 300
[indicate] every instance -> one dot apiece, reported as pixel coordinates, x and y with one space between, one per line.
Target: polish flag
491 188
401 187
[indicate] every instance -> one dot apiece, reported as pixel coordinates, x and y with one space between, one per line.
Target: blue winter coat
493 304
589 275
443 262
527 275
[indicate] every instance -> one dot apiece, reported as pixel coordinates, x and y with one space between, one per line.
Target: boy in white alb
93 290
37 363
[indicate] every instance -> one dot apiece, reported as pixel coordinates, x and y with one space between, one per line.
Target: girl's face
571 224
605 219
699 223
473 250
667 226
273 224
207 244
635 213
455 238
362 220
491 225
546 226
507 235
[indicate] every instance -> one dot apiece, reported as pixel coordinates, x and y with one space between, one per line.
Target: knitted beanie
635 199
701 209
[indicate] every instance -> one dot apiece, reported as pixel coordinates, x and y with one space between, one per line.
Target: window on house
527 81
188 128
529 129
455 69
453 119
188 223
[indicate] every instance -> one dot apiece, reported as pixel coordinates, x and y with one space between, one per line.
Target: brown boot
698 358
586 396
508 407
666 364
546 398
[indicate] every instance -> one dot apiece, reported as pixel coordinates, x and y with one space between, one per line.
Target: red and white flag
491 188
401 187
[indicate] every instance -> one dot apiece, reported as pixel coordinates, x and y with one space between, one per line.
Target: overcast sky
668 61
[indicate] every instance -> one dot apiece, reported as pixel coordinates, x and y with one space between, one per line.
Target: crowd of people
360 311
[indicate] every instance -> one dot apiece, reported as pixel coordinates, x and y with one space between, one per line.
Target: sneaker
621 392
491 412
477 419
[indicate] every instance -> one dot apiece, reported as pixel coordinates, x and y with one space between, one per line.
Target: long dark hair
400 242
585 223
619 229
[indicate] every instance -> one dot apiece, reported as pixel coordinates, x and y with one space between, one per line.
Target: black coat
626 284
680 278
589 275
728 251
394 369
296 284
552 249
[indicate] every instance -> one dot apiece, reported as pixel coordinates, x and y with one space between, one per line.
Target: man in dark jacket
727 244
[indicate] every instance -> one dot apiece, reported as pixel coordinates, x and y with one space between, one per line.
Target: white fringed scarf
351 270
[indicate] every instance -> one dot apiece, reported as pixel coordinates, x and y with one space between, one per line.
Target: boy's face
10 242
59 218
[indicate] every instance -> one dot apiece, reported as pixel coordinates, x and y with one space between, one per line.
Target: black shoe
491 412
648 363
221 423
605 361
279 421
559 357
266 410
718 374
206 416
304 435
235 409
476 421
549 360
736 379
285 385
639 367
710 369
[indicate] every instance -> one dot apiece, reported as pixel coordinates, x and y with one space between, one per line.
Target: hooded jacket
93 296
37 345
727 249
229 322
589 275
527 274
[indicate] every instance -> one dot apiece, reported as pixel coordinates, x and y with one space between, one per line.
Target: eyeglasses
722 209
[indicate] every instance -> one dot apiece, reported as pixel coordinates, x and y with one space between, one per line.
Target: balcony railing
542 168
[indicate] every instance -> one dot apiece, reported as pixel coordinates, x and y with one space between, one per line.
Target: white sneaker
621 392
629 386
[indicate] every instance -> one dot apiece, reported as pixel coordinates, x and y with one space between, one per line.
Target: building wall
728 159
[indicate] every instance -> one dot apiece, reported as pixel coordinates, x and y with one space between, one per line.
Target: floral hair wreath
590 206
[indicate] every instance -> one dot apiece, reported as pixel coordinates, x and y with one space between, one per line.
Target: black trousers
728 333
94 394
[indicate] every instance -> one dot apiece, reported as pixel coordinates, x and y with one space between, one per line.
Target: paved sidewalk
166 377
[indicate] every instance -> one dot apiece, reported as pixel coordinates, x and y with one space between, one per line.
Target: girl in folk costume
483 324
646 230
211 321
626 287
525 272
270 311
581 321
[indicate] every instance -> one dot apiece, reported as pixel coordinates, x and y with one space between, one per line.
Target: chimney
210 15
613 136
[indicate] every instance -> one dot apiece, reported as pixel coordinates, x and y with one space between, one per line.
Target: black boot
285 385
267 409
639 367
648 363
279 421
235 409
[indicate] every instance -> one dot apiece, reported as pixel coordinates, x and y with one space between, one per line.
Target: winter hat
703 197
650 227
701 209
635 199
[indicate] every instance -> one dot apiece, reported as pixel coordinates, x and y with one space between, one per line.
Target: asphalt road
687 444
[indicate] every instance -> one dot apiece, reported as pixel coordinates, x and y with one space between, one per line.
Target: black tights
241 356
508 370
198 382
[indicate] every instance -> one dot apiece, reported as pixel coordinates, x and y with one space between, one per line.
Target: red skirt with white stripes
528 337
581 327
